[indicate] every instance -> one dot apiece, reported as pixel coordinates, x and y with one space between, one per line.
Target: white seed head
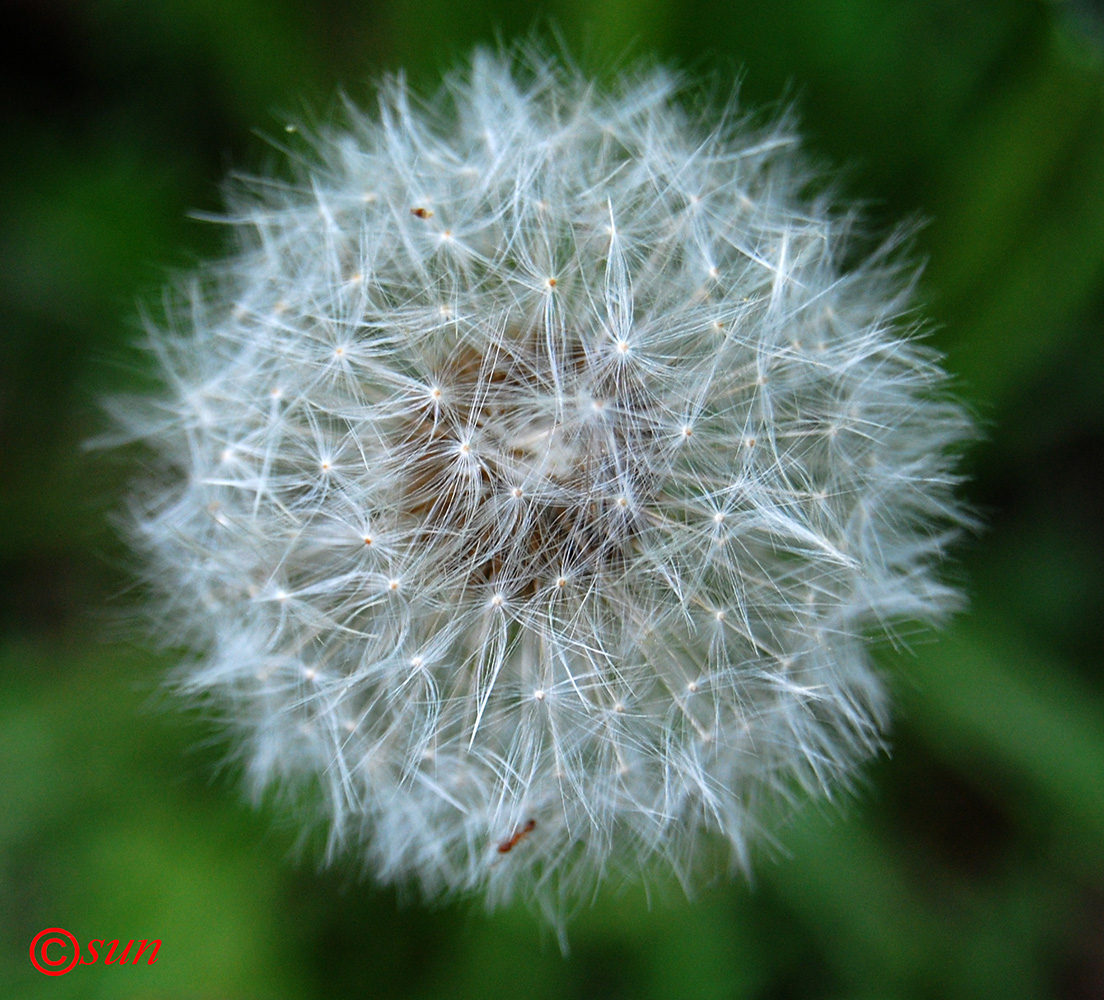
527 581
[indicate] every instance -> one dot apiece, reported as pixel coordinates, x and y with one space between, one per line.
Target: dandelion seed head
592 557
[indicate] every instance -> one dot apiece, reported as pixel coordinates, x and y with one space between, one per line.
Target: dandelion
534 477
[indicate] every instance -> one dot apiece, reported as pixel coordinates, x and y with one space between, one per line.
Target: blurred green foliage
972 864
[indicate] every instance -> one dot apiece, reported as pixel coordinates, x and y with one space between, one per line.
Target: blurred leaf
1018 241
984 688
103 809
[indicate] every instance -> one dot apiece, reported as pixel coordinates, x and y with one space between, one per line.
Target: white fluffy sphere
533 476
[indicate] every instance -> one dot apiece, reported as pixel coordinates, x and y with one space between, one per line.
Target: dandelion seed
508 845
563 657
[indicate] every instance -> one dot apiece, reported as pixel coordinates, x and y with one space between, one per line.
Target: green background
972 862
